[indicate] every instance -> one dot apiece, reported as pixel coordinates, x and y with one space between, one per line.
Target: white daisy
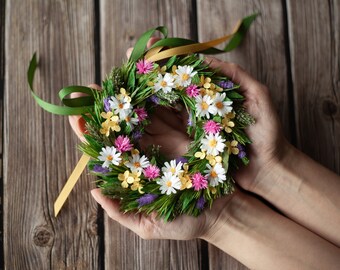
169 183
109 155
165 83
172 167
137 163
131 121
222 106
213 144
204 106
183 75
121 106
215 174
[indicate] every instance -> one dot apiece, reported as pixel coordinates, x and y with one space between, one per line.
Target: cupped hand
268 143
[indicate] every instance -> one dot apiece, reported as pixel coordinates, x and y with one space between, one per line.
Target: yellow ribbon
155 55
65 192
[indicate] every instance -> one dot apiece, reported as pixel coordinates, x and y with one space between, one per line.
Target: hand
268 144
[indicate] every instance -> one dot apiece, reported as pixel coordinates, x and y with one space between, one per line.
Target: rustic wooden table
293 47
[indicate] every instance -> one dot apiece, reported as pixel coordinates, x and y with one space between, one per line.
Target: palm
168 130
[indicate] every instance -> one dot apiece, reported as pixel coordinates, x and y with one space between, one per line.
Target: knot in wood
329 108
42 237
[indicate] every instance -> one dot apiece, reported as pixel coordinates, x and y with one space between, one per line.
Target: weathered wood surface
314 38
293 48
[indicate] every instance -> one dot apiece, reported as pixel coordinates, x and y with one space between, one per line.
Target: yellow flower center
137 164
168 183
212 143
173 170
120 105
213 174
205 106
163 83
185 77
219 105
127 119
109 157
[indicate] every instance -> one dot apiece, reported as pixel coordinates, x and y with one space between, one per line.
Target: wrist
221 220
277 170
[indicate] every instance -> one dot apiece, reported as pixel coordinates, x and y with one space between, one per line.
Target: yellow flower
200 155
123 94
129 178
232 147
214 159
137 186
185 180
213 190
111 123
126 178
227 123
162 70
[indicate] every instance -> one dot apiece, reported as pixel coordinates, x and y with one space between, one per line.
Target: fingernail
95 195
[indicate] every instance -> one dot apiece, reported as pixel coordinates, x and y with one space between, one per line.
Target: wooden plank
315 46
122 22
262 54
2 82
40 149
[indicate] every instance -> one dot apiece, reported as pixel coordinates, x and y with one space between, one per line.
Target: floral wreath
116 117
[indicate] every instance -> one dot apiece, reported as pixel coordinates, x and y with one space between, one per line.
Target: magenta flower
144 66
151 172
141 113
199 181
211 127
123 144
192 90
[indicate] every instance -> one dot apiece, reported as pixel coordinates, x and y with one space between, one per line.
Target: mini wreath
143 179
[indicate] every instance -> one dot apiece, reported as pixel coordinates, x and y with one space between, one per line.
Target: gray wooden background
293 47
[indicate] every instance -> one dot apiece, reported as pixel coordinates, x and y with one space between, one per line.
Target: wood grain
262 54
40 148
2 82
315 45
122 22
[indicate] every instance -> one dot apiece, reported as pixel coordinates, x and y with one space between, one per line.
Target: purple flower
226 84
242 152
190 120
181 159
200 203
107 104
136 135
146 199
99 169
154 99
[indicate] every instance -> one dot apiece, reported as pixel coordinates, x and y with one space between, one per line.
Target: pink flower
211 127
123 144
199 181
151 172
192 90
144 66
141 113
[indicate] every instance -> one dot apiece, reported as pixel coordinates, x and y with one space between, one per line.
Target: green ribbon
85 104
72 106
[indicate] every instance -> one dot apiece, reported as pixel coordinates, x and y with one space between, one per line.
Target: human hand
268 146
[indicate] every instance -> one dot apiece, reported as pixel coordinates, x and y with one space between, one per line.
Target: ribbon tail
65 192
74 106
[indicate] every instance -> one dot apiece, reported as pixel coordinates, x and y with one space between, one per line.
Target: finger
236 74
76 121
111 207
151 41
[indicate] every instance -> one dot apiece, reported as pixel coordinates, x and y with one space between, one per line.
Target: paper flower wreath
116 117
